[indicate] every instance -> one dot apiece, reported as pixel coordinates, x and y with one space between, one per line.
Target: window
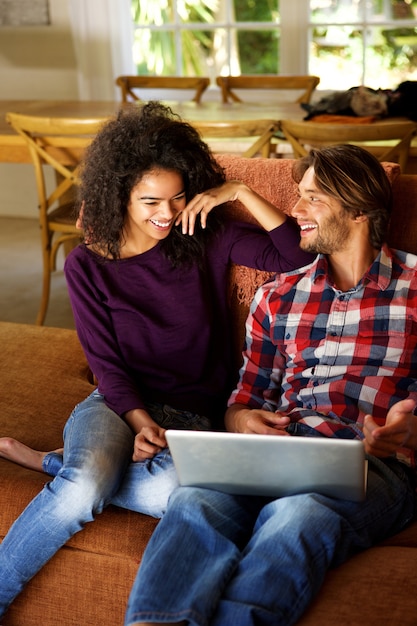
373 42
345 42
206 37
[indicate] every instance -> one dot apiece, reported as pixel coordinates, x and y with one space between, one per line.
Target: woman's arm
266 214
97 337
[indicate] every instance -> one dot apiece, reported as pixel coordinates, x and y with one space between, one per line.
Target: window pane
379 10
351 11
391 56
256 10
204 11
336 11
153 13
361 51
154 52
197 52
336 55
258 51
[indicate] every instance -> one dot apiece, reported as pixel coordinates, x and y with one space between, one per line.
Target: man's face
325 227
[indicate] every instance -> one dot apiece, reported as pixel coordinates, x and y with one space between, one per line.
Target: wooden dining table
13 148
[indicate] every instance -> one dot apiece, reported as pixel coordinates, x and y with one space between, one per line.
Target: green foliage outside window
155 50
194 38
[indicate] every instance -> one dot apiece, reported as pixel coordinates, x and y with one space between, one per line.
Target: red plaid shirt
329 357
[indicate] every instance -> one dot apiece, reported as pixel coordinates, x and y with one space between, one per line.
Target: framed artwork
24 13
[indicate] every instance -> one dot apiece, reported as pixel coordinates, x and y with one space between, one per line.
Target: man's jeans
96 470
227 560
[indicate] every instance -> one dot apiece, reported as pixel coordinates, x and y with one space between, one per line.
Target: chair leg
44 300
46 284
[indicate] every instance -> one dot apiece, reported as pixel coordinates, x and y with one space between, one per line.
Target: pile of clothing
363 101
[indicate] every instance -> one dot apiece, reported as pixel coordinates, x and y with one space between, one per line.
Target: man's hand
149 441
399 430
240 419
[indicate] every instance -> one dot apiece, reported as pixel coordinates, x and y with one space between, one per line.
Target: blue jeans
96 470
157 476
227 560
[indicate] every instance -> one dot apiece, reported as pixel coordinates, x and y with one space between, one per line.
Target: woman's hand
149 441
204 202
149 438
265 213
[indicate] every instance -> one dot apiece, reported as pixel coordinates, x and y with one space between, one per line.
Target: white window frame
103 37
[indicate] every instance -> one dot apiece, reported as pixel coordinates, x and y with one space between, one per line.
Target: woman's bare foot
16 451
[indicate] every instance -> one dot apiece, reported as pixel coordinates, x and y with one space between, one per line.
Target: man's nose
298 208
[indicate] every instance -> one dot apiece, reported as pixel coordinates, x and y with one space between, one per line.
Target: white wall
35 63
76 57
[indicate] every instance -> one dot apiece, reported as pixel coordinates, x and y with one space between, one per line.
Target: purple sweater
154 333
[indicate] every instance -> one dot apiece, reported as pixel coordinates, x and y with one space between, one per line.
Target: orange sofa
43 374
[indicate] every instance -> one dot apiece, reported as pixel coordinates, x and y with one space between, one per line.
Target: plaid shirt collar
379 272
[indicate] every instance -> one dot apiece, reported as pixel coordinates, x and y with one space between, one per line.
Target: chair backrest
388 140
129 84
306 84
58 143
232 136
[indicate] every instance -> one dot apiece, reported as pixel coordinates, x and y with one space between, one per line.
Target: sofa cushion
373 587
43 374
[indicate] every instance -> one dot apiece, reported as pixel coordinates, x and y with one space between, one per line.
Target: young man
331 350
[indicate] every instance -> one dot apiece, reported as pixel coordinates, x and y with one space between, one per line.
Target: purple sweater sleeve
277 251
97 337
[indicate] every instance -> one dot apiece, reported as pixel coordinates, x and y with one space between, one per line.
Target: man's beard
334 235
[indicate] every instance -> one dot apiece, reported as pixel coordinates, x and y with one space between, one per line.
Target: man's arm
241 419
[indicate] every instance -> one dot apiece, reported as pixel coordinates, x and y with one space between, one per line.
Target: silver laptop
269 466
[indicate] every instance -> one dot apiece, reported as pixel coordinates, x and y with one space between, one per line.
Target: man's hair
137 140
355 178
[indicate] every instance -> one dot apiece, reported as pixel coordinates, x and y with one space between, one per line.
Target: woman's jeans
96 470
226 560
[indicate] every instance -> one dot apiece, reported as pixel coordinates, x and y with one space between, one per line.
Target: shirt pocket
297 336
386 341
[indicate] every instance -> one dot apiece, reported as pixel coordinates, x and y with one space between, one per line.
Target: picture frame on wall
24 13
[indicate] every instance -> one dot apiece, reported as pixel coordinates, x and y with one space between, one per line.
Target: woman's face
154 205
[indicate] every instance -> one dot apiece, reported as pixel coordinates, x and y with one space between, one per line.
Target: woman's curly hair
137 140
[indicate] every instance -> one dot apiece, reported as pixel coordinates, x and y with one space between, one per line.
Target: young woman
149 294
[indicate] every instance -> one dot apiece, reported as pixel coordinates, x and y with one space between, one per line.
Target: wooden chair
248 138
56 143
129 85
267 81
388 140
